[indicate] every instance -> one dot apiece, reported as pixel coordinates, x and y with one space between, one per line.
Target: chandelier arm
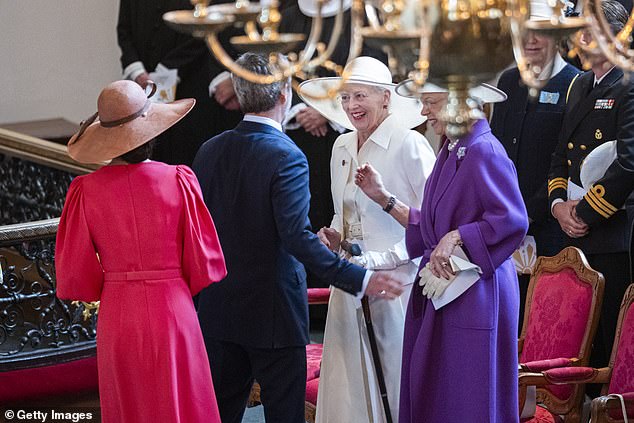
373 18
222 56
356 38
314 36
334 40
251 29
420 75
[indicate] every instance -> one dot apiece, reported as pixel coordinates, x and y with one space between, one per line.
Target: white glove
375 260
433 287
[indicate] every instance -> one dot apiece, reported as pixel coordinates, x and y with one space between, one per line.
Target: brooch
461 152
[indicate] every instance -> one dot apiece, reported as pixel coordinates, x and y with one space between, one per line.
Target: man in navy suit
255 322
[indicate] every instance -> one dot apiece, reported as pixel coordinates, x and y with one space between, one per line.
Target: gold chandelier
456 44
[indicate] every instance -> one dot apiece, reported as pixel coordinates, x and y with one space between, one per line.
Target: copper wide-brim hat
125 120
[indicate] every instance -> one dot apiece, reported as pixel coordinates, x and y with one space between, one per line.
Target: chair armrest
318 295
578 375
608 409
543 365
566 375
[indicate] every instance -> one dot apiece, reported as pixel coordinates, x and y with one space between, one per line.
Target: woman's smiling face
366 106
433 105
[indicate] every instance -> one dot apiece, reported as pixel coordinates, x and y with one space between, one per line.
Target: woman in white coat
348 386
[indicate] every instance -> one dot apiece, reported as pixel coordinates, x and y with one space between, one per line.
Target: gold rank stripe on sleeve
570 87
556 183
595 199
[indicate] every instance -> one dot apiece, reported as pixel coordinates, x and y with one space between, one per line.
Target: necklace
452 145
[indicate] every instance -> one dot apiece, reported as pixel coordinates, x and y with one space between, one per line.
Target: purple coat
460 362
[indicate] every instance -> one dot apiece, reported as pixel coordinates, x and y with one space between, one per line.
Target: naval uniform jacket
595 116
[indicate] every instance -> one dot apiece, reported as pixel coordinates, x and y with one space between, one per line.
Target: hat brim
314 91
328 10
483 92
99 144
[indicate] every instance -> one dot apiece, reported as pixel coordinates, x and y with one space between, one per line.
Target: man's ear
286 94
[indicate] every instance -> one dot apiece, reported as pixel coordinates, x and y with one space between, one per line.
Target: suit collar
248 126
608 78
264 120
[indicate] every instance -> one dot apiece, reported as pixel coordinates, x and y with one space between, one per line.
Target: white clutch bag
466 274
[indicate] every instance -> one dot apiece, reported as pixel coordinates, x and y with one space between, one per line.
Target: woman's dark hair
139 154
615 14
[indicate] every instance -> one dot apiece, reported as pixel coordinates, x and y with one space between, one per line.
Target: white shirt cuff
221 77
133 70
364 285
555 201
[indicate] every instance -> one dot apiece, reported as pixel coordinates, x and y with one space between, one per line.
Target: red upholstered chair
617 378
561 316
313 363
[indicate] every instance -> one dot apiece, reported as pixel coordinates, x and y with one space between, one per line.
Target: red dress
140 239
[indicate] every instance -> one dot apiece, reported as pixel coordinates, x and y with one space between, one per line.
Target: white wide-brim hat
484 93
540 10
329 9
362 70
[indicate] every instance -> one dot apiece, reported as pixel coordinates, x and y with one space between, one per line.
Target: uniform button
514 140
569 163
583 147
570 146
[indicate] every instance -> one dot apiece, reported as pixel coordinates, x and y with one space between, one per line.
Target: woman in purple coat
460 361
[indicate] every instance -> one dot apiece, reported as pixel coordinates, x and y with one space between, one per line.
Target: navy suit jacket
255 183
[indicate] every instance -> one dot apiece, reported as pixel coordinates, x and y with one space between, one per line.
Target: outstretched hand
330 237
386 284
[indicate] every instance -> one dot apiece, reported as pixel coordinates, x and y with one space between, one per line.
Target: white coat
348 388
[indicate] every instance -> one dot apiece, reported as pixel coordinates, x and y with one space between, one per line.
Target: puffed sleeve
78 271
203 262
504 222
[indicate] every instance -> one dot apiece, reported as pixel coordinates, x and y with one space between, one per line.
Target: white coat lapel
343 158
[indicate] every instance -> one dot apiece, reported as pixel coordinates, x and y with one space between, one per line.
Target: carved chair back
561 317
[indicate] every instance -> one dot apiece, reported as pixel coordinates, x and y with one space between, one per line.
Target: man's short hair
257 98
615 14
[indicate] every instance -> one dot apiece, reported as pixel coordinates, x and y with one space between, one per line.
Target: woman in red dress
137 236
